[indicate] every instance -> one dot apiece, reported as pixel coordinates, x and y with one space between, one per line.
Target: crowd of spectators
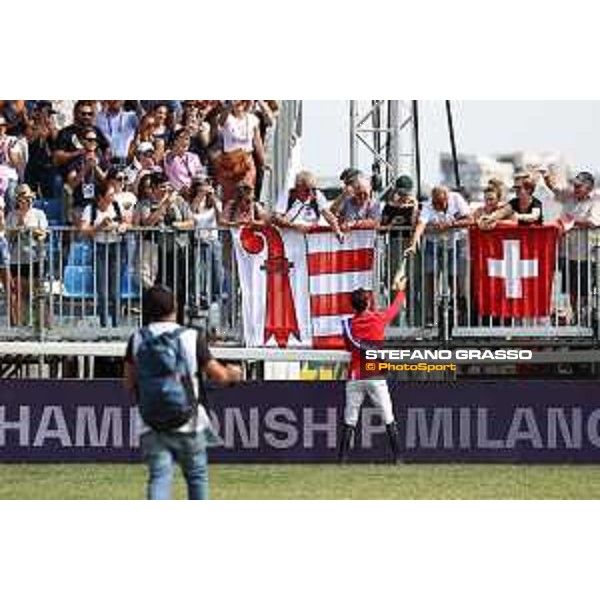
106 166
197 165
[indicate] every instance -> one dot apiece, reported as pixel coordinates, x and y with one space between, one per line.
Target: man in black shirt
398 221
68 145
41 172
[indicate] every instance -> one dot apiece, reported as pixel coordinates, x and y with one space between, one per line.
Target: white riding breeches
377 390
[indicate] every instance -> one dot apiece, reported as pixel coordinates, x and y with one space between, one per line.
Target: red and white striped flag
334 271
296 288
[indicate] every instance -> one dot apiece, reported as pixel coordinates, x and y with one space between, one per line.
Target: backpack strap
145 334
188 383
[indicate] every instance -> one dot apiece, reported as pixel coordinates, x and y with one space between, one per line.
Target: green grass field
241 482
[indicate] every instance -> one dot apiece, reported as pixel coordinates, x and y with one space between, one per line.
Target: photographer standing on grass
163 368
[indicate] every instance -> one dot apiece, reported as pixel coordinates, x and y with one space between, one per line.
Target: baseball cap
585 178
404 184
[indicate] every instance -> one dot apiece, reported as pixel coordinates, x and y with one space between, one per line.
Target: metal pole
453 144
415 105
393 156
353 139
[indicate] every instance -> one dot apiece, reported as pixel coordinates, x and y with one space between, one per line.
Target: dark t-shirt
203 353
535 203
86 191
66 140
399 216
40 157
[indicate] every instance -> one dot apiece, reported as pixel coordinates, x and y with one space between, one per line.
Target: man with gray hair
445 219
305 206
361 209
579 221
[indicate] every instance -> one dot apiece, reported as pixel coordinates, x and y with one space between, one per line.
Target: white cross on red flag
512 270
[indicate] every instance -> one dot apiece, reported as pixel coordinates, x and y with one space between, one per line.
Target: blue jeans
108 273
211 271
163 450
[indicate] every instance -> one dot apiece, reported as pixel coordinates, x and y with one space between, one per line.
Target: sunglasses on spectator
90 139
86 114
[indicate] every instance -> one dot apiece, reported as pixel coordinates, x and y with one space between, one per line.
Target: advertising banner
520 422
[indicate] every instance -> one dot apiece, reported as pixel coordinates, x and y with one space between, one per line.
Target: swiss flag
513 270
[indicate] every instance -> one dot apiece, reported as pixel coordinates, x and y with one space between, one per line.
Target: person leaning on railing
103 220
398 221
524 209
359 210
243 209
445 218
304 207
580 211
492 204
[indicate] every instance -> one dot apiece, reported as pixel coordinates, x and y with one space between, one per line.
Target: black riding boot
394 440
345 443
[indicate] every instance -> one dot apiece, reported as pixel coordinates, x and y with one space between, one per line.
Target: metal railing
441 302
65 286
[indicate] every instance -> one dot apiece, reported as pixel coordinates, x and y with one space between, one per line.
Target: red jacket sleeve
393 309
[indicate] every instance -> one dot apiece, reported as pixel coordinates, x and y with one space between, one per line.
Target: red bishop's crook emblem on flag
280 319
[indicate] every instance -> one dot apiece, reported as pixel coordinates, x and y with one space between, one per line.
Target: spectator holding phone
27 228
42 134
85 173
165 208
206 211
181 165
104 222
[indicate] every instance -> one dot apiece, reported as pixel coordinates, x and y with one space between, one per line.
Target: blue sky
482 126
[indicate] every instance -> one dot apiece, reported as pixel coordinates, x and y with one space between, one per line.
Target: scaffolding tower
387 132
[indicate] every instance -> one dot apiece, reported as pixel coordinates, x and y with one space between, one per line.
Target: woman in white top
206 209
243 149
27 228
103 220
